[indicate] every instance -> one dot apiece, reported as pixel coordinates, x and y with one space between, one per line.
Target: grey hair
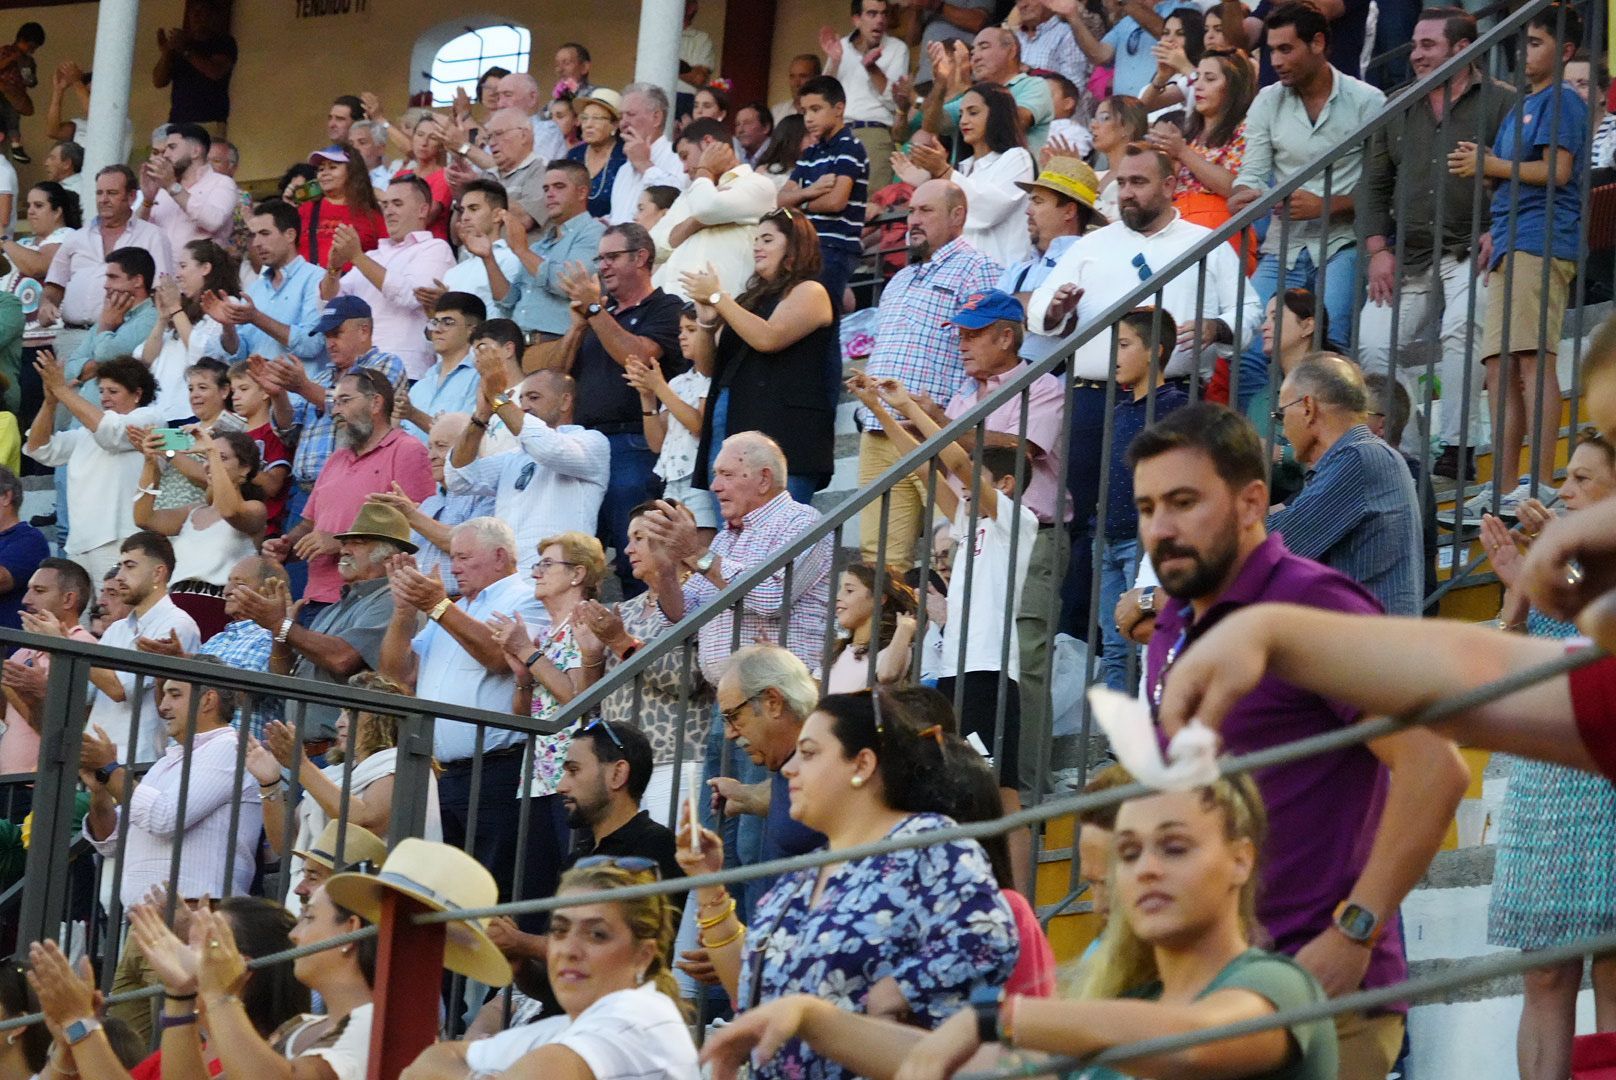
159 134
456 420
369 127
769 667
652 93
757 452
1333 380
491 532
10 485
229 699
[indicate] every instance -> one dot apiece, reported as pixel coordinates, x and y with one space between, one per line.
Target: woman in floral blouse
1212 143
907 935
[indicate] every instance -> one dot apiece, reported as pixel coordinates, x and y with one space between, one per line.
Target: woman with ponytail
608 967
1177 957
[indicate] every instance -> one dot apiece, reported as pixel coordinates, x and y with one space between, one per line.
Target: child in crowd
830 183
275 467
1137 376
18 75
1003 530
671 412
654 202
1071 129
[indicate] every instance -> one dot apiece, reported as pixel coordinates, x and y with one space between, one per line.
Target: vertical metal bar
827 653
969 541
923 579
412 779
182 802
345 798
1323 266
1200 325
1023 471
680 731
294 795
1108 436
238 774
873 653
45 877
786 584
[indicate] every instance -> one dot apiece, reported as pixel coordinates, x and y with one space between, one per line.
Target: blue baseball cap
342 308
986 308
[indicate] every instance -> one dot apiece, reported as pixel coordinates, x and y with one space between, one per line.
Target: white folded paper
1192 755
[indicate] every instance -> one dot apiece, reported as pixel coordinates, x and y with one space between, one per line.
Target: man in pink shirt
410 258
184 196
371 457
58 593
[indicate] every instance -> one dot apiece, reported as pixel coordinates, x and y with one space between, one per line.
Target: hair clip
933 732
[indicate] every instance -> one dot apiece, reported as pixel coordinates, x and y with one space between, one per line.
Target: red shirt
152 1068
272 453
1593 703
1034 973
316 243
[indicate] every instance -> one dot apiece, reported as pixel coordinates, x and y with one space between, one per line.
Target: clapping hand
429 295
830 43
43 622
262 763
511 634
421 591
1167 137
222 969
906 170
270 608
168 645
64 995
674 531
167 297
96 749
396 499
579 283
1057 146
701 284
933 159
175 963
602 621
345 246
26 680
315 543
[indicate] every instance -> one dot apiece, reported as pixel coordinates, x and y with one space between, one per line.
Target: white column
656 60
109 95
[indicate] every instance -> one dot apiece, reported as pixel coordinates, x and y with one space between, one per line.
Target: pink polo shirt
346 482
19 746
208 214
1045 398
411 263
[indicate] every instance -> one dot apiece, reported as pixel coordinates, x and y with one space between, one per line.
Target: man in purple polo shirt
1350 832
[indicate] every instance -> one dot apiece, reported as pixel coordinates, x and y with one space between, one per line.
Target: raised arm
804 309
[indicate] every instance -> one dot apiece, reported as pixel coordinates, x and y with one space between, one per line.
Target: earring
640 979
857 781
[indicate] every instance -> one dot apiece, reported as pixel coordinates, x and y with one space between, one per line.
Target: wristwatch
81 1029
985 1003
592 310
715 298
465 148
1147 600
704 562
104 773
501 399
175 188
1357 923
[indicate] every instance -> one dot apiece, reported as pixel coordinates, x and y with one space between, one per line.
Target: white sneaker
1509 505
1480 503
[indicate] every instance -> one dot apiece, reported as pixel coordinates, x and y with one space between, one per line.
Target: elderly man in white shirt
868 64
712 223
651 158
555 479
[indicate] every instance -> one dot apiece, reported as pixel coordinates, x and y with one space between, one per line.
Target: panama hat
1068 176
608 99
359 845
377 522
443 878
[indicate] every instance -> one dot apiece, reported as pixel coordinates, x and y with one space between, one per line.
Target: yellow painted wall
291 68
796 30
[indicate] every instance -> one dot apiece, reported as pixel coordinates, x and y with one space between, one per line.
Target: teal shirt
536 301
1032 94
11 324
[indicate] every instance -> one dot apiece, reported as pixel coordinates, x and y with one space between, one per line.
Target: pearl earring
857 781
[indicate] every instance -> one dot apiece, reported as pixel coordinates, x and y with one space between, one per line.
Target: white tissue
1192 755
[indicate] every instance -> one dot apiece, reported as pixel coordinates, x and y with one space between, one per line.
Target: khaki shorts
1529 325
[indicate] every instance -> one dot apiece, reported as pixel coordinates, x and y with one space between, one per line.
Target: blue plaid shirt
448 510
317 435
244 644
913 339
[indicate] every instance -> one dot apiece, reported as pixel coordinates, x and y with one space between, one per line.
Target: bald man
433 519
1359 512
521 91
995 57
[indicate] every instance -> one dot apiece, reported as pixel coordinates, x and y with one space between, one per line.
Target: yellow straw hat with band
443 878
1071 177
359 845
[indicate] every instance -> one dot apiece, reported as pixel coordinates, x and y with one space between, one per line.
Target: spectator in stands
64 164
126 317
520 91
1119 121
425 163
712 103
1336 871
432 520
600 149
369 141
572 64
1226 30
277 314
224 157
916 343
659 704
450 384
1211 900
537 301
209 537
1526 230
861 764
217 834
347 198
1358 513
95 458
1046 44
367 739
649 157
991 176
555 477
22 549
767 350
488 266
1427 269
893 638
345 111
1390 410
1210 146
29 1053
386 280
603 780
754 124
995 57
1546 891
186 329
623 1014
359 846
672 412
52 218
803 66
711 223
1282 139
830 184
183 196
1060 208
457 657
1128 47
58 590
1177 54
868 64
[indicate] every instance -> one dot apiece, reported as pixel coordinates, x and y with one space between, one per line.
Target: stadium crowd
483 398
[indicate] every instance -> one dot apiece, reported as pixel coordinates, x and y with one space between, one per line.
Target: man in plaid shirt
916 343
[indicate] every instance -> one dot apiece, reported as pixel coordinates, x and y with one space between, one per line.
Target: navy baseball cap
986 308
339 310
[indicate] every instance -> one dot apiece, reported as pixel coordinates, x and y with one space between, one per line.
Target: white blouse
996 210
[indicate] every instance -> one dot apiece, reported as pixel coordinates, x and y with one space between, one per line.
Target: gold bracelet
439 608
723 894
708 924
740 932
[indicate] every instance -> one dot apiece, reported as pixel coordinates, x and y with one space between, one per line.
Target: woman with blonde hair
1177 957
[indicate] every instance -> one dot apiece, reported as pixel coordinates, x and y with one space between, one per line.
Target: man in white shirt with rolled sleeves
651 157
713 222
868 64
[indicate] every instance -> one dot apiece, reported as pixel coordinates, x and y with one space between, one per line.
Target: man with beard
184 196
371 457
281 307
917 344
1096 272
1334 869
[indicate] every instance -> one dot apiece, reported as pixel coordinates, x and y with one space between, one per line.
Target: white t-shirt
626 1035
991 582
678 458
8 186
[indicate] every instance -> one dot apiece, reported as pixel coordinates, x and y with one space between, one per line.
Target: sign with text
314 9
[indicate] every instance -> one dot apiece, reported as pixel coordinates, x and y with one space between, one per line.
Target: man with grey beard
371 456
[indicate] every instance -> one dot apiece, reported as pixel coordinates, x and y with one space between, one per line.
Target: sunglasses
630 864
597 722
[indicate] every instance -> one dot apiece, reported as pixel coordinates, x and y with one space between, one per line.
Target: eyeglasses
1278 414
607 256
1142 267
598 722
632 864
492 134
438 321
729 715
545 565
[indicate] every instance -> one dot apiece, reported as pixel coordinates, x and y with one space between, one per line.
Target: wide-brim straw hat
1071 177
359 845
606 98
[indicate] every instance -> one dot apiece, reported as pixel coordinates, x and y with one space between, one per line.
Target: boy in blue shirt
1547 134
830 184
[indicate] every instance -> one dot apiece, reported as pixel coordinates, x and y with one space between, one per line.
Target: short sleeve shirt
605 401
1552 119
841 155
22 548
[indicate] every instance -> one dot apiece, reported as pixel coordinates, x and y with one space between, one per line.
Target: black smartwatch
985 1002
104 773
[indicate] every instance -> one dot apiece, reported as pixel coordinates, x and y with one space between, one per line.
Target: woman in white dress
204 275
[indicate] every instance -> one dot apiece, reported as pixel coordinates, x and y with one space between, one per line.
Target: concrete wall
291 68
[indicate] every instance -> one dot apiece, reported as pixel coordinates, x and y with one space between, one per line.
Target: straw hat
377 522
359 845
1068 176
606 98
443 878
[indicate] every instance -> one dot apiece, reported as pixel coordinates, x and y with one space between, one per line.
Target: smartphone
174 440
307 191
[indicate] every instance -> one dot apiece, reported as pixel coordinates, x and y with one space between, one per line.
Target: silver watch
704 562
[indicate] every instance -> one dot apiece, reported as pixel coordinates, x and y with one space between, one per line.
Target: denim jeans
633 481
801 486
1119 566
1340 284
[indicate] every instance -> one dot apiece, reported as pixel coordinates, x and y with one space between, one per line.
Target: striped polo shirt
842 155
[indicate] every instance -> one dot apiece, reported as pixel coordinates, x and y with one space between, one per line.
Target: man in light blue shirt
538 303
450 385
1060 208
127 318
284 303
488 267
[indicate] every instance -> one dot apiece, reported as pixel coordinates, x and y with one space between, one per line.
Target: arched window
460 61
